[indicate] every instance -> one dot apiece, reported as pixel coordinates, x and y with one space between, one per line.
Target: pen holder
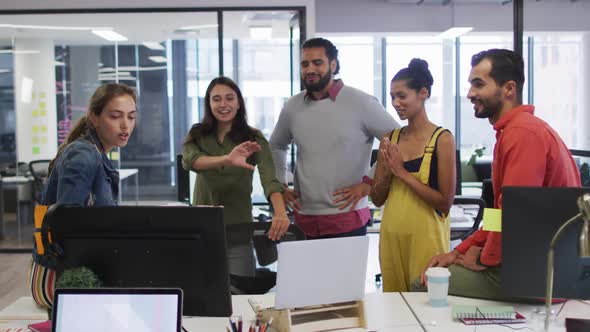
316 318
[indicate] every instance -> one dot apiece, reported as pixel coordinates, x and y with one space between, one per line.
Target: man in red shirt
528 152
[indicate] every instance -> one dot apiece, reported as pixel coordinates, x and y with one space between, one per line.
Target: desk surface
126 172
17 179
385 312
440 320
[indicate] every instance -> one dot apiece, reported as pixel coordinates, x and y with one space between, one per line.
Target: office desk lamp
583 249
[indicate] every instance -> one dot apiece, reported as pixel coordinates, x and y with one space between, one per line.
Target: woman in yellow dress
415 179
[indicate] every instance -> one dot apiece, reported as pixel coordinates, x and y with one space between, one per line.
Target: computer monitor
530 218
150 246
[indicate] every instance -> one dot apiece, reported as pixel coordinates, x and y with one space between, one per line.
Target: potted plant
483 169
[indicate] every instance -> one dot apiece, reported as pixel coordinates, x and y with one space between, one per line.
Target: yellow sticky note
43 129
42 112
114 155
492 220
35 129
35 140
35 113
41 105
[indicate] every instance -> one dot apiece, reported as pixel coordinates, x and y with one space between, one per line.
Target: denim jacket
82 175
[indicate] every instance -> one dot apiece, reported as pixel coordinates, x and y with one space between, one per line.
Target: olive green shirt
230 186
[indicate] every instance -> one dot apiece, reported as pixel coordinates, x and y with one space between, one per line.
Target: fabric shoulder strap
428 151
394 138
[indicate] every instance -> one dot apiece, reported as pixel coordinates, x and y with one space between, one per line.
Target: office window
357 61
560 73
439 54
559 84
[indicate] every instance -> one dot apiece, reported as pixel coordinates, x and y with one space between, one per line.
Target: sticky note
492 220
42 112
35 113
35 140
114 155
36 150
35 129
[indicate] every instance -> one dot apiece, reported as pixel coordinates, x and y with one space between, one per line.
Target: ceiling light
454 32
198 27
158 59
19 52
51 27
109 35
153 46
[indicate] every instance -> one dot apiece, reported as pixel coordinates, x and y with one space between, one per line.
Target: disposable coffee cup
438 286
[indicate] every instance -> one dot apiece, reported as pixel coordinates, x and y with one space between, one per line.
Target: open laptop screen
105 309
323 271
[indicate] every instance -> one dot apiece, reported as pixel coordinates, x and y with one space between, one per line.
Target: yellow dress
411 230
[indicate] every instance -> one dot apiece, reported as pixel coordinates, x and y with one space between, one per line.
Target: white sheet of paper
321 271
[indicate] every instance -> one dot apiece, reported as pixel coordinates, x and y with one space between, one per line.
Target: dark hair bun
421 66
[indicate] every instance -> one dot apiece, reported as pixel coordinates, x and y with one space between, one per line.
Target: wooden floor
14 269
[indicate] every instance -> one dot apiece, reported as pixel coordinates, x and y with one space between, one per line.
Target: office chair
460 200
39 169
487 193
266 254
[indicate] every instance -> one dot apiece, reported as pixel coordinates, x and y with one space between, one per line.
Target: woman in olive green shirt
224 151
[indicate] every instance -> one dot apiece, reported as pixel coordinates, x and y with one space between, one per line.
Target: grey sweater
334 141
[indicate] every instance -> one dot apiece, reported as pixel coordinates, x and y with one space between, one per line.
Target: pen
233 326
240 324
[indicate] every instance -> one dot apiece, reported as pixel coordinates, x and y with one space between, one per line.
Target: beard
491 106
321 83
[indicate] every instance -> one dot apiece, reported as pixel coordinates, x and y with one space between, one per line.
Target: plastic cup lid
438 272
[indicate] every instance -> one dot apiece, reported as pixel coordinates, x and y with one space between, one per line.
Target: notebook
117 309
326 271
479 315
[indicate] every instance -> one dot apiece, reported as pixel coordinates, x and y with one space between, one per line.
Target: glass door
263 59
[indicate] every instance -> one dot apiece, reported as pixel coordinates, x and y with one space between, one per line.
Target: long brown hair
240 131
100 98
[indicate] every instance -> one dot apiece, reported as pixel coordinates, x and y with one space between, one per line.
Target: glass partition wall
50 64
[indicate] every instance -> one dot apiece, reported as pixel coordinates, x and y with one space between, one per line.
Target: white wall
34 84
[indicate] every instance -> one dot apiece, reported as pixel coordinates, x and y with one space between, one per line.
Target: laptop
326 271
117 309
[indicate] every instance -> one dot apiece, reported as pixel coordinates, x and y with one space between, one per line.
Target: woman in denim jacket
81 173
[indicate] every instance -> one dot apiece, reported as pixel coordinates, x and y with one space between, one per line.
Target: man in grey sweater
333 127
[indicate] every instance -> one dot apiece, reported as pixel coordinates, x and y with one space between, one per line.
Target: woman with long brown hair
224 151
81 173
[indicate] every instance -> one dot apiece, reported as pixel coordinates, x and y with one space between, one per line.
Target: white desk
428 315
125 173
384 312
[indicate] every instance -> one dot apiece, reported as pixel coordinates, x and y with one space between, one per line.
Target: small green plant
476 154
80 277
